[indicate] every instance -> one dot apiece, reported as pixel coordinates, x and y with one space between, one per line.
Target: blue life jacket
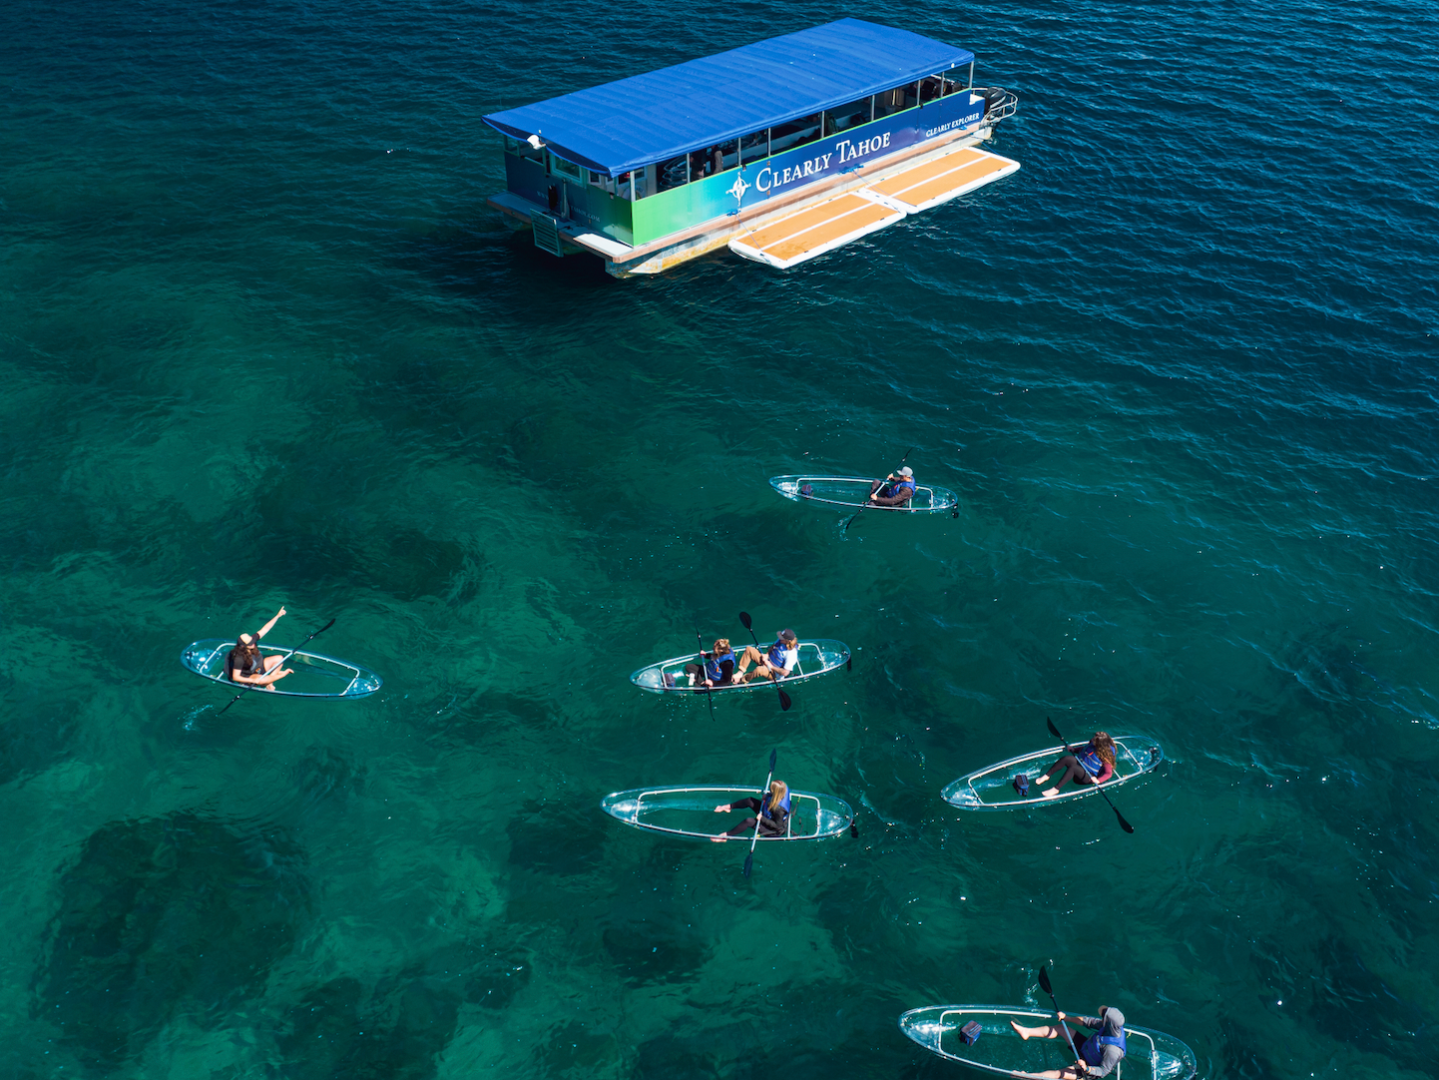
712 666
1090 760
783 805
902 485
776 653
1093 1049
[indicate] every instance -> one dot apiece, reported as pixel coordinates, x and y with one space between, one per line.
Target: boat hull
689 811
1151 1055
851 493
817 657
315 676
991 788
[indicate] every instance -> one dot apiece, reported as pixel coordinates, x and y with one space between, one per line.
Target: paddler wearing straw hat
896 489
1099 1054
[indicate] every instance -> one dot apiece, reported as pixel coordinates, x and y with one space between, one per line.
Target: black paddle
1068 749
292 652
703 674
784 700
759 815
1044 985
847 524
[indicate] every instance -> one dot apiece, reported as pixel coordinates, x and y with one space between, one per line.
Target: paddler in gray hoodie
1099 1054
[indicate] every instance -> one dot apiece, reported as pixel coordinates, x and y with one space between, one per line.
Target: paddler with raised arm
245 664
773 813
776 662
1099 1054
896 489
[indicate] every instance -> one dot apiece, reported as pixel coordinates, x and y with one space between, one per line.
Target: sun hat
787 635
906 472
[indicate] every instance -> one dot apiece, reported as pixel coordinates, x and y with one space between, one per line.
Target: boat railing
999 104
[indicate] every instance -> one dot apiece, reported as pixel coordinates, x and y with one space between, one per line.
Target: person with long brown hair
246 664
773 813
1092 763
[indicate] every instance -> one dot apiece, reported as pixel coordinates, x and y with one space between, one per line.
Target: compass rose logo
738 188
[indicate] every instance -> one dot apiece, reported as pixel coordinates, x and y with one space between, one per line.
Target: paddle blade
854 830
1044 981
748 863
748 622
849 664
784 702
1122 823
773 757
1053 730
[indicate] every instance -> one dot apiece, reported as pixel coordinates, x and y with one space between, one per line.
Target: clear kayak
853 492
815 658
1151 1055
689 811
992 788
315 676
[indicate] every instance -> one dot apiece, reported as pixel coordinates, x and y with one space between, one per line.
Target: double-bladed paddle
703 673
1069 749
1044 985
845 528
759 814
784 699
292 652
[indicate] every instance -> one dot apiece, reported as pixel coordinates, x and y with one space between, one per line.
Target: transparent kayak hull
1151 1055
853 491
315 676
815 658
689 811
992 788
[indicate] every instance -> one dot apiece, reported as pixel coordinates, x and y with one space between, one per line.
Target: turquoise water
262 342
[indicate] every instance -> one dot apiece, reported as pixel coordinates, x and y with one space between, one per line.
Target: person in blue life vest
776 662
1092 763
896 489
1099 1053
245 664
773 813
716 668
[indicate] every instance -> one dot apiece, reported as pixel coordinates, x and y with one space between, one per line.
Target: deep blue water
262 342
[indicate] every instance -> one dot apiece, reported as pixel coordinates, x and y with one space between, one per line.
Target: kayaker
717 668
896 489
1093 764
1099 1054
773 813
776 662
245 664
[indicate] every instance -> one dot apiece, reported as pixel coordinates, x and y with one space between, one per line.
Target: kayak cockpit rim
1140 752
765 119
832 815
201 658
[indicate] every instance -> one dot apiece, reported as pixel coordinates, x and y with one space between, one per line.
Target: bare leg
1044 1031
271 663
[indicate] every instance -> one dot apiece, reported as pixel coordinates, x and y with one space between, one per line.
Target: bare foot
1019 1031
720 839
1050 793
721 808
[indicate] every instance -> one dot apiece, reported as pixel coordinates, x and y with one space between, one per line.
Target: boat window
721 157
521 148
564 168
794 133
846 116
601 181
754 146
955 81
930 88
895 100
672 173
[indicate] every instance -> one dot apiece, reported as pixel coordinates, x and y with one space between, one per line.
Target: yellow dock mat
942 179
815 230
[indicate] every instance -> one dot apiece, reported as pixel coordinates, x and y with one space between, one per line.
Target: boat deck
913 180
798 237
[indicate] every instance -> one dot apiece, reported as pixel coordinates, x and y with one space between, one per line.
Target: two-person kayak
854 491
816 657
1151 1055
315 676
993 787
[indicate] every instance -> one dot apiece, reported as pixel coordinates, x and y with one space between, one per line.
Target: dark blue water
262 342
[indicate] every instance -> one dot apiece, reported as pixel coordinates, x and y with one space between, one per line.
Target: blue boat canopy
634 122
